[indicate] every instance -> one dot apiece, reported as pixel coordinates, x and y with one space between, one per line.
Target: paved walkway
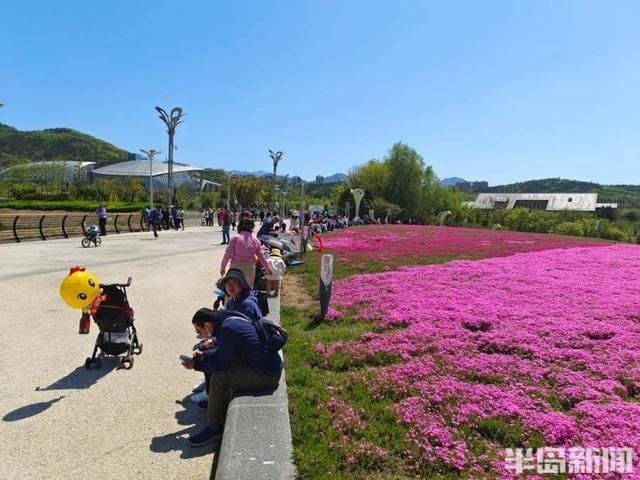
60 421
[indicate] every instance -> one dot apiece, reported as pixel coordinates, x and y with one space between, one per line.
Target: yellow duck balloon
80 288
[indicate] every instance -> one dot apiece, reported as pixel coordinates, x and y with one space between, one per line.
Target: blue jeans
225 234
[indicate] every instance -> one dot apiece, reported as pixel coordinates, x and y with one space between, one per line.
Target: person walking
242 251
154 221
174 217
101 213
180 218
226 224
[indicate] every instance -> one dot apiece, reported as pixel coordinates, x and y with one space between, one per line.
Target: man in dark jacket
240 360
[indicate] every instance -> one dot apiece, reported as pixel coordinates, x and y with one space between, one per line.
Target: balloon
79 288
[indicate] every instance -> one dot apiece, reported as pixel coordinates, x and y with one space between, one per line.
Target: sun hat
238 275
276 252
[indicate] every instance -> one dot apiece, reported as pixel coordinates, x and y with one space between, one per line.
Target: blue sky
502 91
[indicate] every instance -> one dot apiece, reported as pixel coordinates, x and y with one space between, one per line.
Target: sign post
326 279
303 238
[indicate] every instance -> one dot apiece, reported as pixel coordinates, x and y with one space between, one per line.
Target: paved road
60 421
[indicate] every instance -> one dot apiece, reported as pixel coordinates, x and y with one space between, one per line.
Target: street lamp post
284 203
171 120
150 154
229 174
276 157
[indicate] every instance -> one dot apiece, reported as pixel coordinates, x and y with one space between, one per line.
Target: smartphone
186 358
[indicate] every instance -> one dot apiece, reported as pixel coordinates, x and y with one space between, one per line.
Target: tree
404 181
249 190
135 190
104 187
182 196
380 208
372 177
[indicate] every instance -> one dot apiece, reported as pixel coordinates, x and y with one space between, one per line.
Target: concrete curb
256 443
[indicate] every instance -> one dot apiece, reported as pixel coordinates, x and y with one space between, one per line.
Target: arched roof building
182 174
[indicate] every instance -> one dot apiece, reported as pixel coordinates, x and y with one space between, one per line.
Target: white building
579 202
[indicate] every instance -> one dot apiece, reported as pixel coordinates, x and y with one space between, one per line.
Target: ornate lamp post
276 157
171 120
150 154
357 193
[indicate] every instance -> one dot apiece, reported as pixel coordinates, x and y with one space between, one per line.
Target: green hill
624 195
55 144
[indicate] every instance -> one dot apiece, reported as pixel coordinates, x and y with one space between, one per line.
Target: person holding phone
238 361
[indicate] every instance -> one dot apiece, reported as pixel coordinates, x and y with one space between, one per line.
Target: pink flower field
534 349
387 242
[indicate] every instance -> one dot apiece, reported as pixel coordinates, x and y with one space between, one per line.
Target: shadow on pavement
177 441
81 378
29 410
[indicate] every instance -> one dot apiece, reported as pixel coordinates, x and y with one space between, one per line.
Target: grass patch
71 205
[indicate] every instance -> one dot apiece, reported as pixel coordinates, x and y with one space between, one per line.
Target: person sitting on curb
278 267
241 299
240 361
204 332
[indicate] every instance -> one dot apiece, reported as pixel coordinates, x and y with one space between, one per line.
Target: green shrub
569 228
612 233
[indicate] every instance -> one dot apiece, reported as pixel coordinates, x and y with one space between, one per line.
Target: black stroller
118 335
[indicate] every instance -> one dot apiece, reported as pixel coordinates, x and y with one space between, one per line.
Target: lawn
432 369
72 205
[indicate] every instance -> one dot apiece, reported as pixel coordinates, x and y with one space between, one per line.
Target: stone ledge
256 443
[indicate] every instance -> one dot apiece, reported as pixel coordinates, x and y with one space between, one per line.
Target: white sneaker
200 386
199 397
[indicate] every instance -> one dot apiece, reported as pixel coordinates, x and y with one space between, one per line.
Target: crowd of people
160 218
232 353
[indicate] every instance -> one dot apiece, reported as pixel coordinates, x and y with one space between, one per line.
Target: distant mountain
55 144
447 182
335 178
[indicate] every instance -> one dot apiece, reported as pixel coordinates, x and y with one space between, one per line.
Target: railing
35 226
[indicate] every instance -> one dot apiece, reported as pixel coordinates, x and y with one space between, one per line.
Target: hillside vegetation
55 144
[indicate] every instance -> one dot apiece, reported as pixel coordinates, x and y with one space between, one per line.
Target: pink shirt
244 248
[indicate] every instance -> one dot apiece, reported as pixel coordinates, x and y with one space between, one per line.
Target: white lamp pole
150 154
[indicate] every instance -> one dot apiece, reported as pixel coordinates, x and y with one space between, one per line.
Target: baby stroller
92 236
118 335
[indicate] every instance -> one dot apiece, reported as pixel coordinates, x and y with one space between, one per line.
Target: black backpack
273 335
